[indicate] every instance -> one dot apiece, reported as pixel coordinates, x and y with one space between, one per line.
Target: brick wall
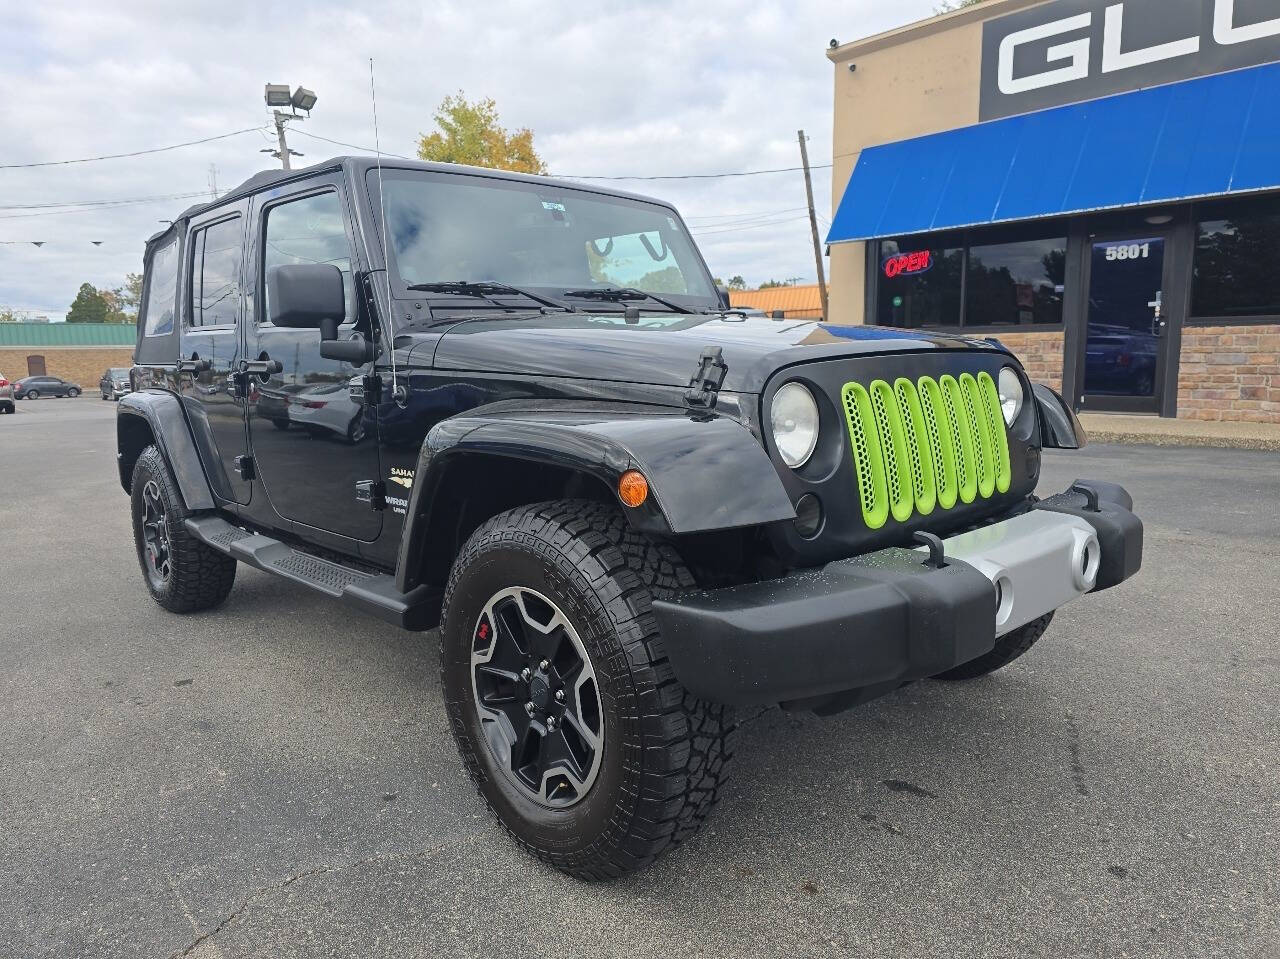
80 365
1230 373
1040 353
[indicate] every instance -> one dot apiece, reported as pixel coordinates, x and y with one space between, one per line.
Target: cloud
609 88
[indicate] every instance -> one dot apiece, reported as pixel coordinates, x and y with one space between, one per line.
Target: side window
215 274
162 290
309 230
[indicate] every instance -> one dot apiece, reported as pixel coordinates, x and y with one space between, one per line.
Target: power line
754 226
92 203
353 146
694 176
120 156
571 176
743 216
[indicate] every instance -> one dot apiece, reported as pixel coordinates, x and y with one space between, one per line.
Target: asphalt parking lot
275 778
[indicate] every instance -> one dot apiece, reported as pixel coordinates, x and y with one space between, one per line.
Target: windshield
450 227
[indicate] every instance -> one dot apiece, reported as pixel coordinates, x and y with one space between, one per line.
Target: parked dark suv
628 509
34 387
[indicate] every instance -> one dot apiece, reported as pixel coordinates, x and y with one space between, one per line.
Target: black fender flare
1060 428
705 473
162 413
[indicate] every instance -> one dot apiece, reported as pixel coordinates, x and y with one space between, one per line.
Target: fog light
809 516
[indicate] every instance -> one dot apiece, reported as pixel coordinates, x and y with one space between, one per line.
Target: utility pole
813 225
281 119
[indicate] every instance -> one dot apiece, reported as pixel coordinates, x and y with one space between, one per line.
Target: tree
7 315
88 306
131 292
471 133
117 311
948 5
737 283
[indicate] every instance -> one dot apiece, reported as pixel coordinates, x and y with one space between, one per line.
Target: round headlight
1011 393
794 419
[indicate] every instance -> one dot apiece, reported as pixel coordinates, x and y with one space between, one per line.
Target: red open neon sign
908 264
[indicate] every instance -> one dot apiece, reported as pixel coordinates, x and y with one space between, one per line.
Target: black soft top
358 166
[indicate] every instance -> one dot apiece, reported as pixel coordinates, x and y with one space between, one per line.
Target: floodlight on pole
277 95
303 99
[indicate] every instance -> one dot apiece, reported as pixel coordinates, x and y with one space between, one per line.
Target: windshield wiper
483 290
618 294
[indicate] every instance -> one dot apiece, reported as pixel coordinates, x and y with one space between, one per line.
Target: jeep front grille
926 445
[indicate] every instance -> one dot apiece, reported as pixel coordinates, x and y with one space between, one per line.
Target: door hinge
373 492
244 466
367 392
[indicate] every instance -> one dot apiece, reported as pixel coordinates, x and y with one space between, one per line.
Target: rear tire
183 574
663 755
1008 648
32 395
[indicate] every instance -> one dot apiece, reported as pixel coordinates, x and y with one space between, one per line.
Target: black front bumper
869 623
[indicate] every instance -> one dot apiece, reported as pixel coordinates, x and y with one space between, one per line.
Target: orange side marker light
633 488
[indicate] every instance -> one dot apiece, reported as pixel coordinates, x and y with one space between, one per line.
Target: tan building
1095 183
80 352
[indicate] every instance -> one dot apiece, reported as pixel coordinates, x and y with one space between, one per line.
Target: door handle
194 365
262 365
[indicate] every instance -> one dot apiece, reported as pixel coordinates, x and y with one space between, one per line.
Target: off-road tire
200 577
1008 648
666 754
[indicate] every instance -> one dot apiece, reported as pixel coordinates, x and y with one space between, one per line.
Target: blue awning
1205 137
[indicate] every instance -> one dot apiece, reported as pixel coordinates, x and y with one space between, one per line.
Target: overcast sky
608 88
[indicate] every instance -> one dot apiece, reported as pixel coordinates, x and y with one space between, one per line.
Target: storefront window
979 285
919 286
1016 284
1235 268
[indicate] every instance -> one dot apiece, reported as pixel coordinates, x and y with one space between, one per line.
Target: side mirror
311 296
723 293
307 296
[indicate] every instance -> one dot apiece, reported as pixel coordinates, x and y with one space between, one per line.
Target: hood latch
706 382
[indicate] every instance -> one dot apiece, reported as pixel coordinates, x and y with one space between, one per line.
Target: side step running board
374 593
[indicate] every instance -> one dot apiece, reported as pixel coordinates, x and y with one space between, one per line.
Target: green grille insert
864 437
926 445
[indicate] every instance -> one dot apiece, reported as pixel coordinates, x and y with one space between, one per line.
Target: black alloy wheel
559 694
537 697
155 535
182 573
33 395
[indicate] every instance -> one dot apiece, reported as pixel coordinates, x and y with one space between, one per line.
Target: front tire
1008 648
629 763
183 574
73 393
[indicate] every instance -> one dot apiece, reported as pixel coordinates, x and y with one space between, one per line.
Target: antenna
386 245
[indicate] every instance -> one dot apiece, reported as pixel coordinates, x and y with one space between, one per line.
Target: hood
662 349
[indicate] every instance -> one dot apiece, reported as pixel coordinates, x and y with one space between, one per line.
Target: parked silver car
114 383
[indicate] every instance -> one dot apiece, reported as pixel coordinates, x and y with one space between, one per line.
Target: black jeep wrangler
519 409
